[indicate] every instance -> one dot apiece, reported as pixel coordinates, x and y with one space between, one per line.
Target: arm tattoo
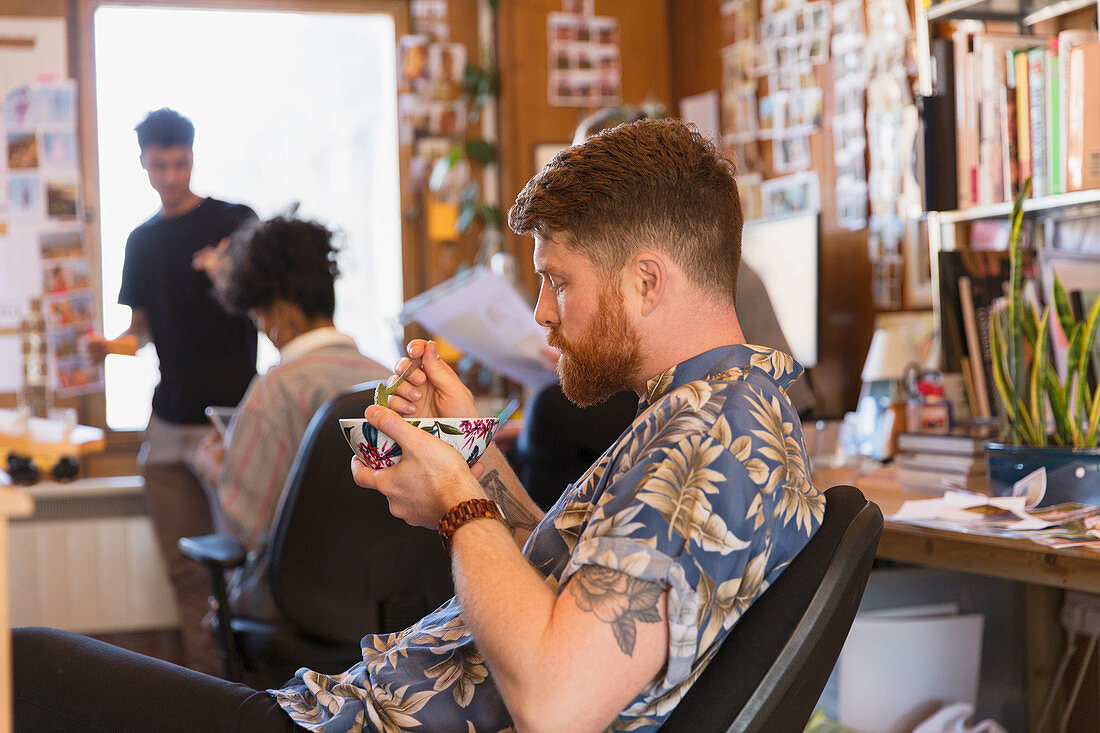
617 599
520 516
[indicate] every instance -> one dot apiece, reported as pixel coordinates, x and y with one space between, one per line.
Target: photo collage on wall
892 126
585 63
770 93
68 304
429 83
41 240
850 77
41 167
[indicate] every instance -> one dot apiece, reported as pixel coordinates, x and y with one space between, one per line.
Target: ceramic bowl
470 436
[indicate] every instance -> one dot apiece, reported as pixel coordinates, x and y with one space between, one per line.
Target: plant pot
1073 474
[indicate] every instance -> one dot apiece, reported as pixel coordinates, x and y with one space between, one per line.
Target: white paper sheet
483 315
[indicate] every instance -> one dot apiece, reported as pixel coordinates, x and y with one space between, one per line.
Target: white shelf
1056 9
977 9
1043 203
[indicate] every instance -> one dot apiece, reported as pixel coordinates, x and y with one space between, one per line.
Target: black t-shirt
207 357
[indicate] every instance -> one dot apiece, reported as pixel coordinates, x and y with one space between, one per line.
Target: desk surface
1022 560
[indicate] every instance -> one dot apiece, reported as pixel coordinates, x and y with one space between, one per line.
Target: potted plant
1050 420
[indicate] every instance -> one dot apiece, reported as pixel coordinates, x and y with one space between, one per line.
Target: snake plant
1028 384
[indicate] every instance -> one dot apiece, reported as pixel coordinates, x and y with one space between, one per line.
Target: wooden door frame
93 408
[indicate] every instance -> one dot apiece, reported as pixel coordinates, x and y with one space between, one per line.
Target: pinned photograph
20 110
414 118
790 194
65 276
65 342
604 30
69 310
25 196
59 151
738 21
738 63
446 62
61 199
412 54
741 108
820 17
791 153
75 376
819 48
561 27
22 151
806 108
57 104
447 119
773 112
59 245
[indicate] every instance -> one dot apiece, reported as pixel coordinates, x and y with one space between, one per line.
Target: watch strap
467 511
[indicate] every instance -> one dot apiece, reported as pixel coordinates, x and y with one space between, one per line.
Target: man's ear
649 276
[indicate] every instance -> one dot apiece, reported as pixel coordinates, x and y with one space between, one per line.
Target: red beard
605 359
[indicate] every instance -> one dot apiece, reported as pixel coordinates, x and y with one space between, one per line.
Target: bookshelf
1019 11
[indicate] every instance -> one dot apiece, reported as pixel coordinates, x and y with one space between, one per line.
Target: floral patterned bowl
470 436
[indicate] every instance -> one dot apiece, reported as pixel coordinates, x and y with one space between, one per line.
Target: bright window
287 108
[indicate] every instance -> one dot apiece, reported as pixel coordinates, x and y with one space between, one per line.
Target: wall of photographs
585 64
770 96
41 240
431 115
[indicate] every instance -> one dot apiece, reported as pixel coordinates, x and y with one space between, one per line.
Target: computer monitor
783 251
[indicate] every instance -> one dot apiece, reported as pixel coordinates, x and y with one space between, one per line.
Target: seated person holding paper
281 273
621 594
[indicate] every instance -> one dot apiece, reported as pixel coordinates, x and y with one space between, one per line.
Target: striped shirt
263 440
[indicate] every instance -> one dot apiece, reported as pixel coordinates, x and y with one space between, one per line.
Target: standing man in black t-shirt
207 357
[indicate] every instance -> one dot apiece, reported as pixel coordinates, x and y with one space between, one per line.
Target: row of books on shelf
1025 106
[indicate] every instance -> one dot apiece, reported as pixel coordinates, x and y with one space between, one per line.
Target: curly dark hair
282 258
166 128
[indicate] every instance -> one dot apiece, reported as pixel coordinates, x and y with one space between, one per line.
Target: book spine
990 167
1009 150
1023 120
1054 118
980 408
1036 61
1083 134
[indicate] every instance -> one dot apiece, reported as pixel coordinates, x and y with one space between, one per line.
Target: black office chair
340 566
770 671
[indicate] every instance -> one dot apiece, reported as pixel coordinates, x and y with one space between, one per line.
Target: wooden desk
12 503
1045 572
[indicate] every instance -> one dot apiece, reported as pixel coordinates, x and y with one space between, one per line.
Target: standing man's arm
127 343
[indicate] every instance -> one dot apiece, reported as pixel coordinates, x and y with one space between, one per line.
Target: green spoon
382 392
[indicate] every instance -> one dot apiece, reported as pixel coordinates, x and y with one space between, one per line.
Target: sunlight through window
288 108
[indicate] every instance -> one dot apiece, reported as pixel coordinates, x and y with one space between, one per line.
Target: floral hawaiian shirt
706 493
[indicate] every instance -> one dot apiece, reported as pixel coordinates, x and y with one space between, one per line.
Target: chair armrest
214 551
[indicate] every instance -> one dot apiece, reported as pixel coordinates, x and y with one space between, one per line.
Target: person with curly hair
281 273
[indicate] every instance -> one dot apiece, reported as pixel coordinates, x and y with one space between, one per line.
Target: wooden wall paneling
696 43
526 117
433 262
37 8
846 316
